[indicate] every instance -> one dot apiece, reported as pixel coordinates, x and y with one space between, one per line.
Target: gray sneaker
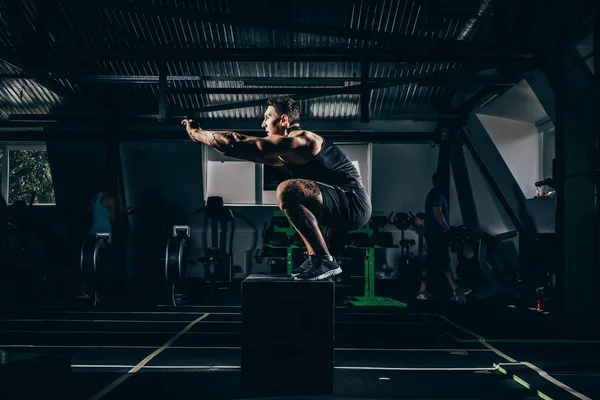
460 294
424 295
322 269
311 261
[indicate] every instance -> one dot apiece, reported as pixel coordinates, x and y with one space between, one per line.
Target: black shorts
344 209
438 251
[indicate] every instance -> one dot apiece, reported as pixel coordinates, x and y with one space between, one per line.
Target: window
25 173
359 154
240 182
234 181
230 178
273 176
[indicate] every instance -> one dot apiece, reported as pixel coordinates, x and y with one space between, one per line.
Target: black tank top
330 166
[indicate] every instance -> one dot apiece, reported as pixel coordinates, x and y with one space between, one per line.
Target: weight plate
88 252
99 258
184 257
176 259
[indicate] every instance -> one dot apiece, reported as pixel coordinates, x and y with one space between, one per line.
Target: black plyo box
288 336
26 375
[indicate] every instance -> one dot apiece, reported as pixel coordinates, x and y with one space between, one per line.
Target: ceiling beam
479 98
250 83
80 128
50 134
148 121
455 72
365 94
425 53
236 19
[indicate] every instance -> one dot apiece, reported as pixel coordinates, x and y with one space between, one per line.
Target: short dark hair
436 179
105 181
420 215
286 105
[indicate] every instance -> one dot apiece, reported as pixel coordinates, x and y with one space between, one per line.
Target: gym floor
460 353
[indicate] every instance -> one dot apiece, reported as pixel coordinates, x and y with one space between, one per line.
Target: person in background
437 238
419 221
102 210
103 206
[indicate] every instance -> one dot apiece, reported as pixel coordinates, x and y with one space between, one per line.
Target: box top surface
281 278
12 357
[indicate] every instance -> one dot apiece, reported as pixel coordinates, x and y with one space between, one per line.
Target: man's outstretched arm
233 144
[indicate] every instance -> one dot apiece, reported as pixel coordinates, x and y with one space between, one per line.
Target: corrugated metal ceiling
187 24
24 96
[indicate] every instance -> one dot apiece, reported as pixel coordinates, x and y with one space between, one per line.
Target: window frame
265 198
6 148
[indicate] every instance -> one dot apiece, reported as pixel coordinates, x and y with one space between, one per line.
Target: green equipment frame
289 232
369 299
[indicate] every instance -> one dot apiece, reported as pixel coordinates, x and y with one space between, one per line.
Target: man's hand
192 129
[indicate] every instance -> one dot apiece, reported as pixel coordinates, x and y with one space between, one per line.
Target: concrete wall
401 181
519 144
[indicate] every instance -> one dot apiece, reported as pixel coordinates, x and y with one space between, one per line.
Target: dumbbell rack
369 299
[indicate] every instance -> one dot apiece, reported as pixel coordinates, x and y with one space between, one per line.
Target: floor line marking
186 321
540 371
229 348
146 360
420 368
397 334
216 367
124 332
135 312
533 341
198 306
33 346
117 321
175 312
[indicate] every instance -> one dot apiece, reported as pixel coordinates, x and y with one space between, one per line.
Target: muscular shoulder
108 200
308 139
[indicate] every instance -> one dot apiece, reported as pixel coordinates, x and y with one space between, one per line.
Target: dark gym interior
499 97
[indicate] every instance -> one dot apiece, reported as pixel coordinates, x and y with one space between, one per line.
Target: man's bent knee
298 191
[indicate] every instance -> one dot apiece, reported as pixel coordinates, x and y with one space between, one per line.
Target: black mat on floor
380 353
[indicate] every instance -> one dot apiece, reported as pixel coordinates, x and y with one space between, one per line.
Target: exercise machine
177 261
93 266
404 221
280 243
16 236
482 267
218 259
23 257
369 238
